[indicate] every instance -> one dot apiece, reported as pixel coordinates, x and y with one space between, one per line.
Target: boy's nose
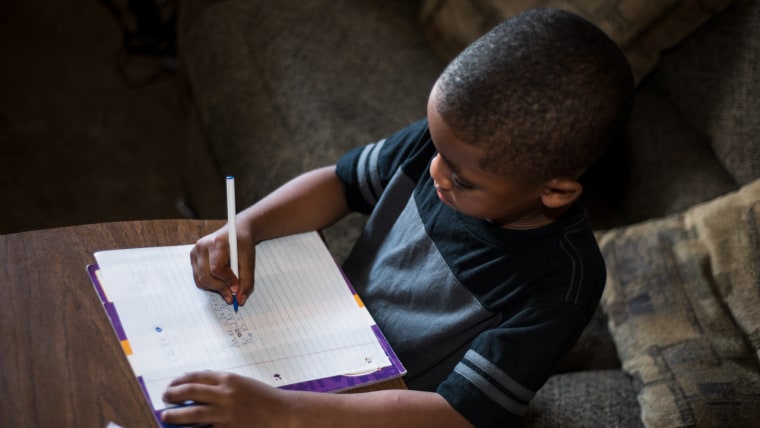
438 172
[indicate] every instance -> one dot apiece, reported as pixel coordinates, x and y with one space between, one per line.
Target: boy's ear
561 192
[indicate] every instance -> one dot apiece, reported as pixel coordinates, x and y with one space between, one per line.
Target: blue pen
232 229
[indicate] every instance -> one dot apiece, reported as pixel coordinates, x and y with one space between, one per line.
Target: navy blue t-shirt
476 312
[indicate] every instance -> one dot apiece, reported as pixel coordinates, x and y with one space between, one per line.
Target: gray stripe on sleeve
361 173
489 390
499 375
374 174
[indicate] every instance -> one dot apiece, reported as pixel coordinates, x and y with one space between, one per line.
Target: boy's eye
459 184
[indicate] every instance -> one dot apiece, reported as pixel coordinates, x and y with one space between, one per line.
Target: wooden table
60 362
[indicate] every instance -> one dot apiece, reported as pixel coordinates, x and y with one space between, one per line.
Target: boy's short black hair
544 93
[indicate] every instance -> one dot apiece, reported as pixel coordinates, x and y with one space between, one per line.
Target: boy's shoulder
536 264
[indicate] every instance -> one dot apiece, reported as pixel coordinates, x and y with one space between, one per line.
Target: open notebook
303 327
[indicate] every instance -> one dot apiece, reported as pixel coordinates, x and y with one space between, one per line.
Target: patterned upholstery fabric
683 299
643 29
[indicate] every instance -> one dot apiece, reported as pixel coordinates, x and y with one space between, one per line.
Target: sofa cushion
642 29
665 156
714 80
283 87
292 76
683 300
594 350
600 398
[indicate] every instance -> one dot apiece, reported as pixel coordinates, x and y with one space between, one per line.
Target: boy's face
462 184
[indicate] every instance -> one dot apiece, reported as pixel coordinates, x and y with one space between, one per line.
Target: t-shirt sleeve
505 366
365 171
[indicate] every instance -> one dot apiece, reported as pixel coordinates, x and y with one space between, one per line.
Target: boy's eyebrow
456 171
451 166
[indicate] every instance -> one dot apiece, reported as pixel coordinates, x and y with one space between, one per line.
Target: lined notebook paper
303 327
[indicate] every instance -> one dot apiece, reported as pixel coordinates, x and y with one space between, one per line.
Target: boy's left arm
233 400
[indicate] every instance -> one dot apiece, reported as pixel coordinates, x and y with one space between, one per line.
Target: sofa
276 88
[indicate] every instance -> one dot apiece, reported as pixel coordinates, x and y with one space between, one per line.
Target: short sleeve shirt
478 313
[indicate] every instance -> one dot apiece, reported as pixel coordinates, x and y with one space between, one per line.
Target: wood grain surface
60 362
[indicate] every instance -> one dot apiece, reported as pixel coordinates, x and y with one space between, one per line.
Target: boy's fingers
219 259
206 377
195 392
199 397
247 268
203 275
187 415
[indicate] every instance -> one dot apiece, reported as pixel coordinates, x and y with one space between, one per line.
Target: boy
477 261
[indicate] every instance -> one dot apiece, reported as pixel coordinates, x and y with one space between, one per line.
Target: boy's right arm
311 201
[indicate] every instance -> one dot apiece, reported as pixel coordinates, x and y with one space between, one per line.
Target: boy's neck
535 219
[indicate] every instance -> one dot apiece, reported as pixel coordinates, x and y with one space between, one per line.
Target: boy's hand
224 400
311 201
230 400
210 258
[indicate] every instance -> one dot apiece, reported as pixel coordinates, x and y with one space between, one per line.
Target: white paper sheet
301 323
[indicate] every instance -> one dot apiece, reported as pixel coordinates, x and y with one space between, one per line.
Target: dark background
81 142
